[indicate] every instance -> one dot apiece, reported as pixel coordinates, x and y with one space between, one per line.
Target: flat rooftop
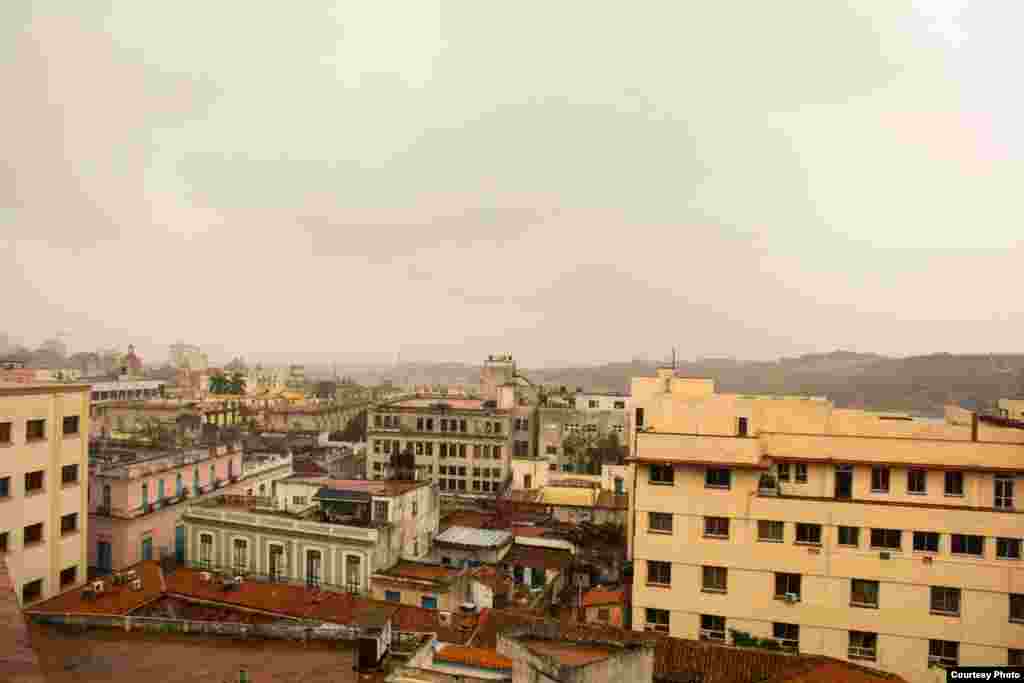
475 538
427 402
15 388
568 654
419 571
385 487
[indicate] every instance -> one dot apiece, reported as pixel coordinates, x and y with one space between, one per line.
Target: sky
571 181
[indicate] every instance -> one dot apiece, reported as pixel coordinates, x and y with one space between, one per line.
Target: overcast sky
567 180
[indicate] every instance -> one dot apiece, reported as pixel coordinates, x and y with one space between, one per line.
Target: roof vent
445 618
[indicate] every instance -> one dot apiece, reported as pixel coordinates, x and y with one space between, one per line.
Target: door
104 556
160 491
179 544
429 602
147 548
527 482
844 482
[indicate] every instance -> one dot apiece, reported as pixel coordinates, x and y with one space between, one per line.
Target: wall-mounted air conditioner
791 597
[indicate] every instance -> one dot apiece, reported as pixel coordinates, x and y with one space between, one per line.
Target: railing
225 513
219 573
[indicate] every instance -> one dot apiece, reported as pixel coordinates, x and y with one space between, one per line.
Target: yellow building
44 468
878 538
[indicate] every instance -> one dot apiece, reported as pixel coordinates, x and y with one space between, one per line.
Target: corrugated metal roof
484 538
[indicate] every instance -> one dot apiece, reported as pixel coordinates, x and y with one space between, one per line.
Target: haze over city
449 180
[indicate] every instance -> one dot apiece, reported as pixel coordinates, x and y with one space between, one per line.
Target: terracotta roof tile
420 571
478 657
422 620
600 596
537 557
120 599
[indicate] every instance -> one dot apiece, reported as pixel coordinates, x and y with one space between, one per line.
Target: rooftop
477 657
478 538
604 596
537 557
19 388
420 571
569 654
386 487
430 402
570 496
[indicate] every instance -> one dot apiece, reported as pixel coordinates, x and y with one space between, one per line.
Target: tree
236 384
218 384
579 446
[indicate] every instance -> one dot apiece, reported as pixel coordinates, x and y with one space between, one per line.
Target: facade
44 457
463 444
322 533
1011 408
604 607
418 584
137 497
586 418
870 537
459 546
188 357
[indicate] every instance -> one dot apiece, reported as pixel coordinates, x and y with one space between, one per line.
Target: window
659 573
782 471
4 540
68 576
639 418
620 405
380 510
886 538
462 425
35 430
659 521
393 596
419 424
809 534
741 426
656 620
462 471
786 585
788 636
603 614
31 591
415 508
926 542
917 482
240 548
5 432
1017 607
880 480
313 561
71 425
34 482
1008 548
863 645
69 474
965 544
801 473
770 531
663 474
298 500
69 523
551 450
954 483
1004 492
712 627
849 535
717 478
945 600
716 580
5 487
33 533
206 551
497 428
943 653
863 593
1015 657
593 404
716 527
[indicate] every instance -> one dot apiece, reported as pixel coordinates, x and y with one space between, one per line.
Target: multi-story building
321 532
873 537
571 425
189 357
43 498
138 495
1012 408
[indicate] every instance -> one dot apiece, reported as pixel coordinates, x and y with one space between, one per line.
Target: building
1011 408
545 652
578 433
605 606
188 357
138 495
431 586
584 502
459 546
870 537
319 532
43 486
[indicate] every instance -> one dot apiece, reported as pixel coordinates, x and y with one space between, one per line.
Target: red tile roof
537 557
478 657
601 596
420 571
120 599
421 620
568 654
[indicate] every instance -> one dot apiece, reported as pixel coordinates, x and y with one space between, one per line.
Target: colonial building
43 491
873 537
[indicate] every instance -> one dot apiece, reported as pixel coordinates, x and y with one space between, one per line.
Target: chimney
974 426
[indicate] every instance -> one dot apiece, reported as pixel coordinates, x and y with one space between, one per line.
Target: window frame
884 538
866 647
788 581
709 531
655 529
714 475
966 540
67 530
926 536
881 479
943 659
867 583
1016 602
25 534
856 536
661 470
653 621
657 570
75 424
808 526
945 600
946 484
917 477
714 579
709 628
762 538
1005 544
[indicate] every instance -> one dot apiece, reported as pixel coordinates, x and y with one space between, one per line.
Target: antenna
673 359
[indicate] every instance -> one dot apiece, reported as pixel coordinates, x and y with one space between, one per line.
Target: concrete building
1012 408
870 537
138 495
544 652
188 356
420 584
459 546
568 424
44 456
324 533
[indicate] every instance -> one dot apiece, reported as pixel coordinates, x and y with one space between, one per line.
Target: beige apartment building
44 456
885 540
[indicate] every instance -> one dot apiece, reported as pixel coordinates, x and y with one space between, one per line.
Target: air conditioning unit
137 584
97 586
238 579
791 598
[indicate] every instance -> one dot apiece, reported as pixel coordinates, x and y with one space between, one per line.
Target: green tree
218 384
236 384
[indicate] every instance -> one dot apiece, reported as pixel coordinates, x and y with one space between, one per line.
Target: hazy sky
563 181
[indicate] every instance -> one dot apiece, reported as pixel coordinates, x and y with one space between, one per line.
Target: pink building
136 497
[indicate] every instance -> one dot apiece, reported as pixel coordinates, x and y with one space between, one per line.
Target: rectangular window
782 471
496 453
886 539
880 480
954 483
663 474
33 533
5 487
926 542
715 579
1004 492
966 544
660 522
35 430
944 653
716 527
945 601
298 500
69 474
1017 607
639 418
717 478
34 481
741 426
917 482
659 573
71 425
419 424
800 473
788 636
5 432
68 576
603 614
4 540
620 405
376 446
712 627
787 586
863 593
497 428
69 523
206 550
429 448
863 645
593 404
808 534
393 596
770 531
1008 548
241 552
656 620
1015 657
444 425
32 591
849 535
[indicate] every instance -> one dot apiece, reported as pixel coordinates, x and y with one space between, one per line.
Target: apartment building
877 538
570 424
43 499
137 496
320 532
